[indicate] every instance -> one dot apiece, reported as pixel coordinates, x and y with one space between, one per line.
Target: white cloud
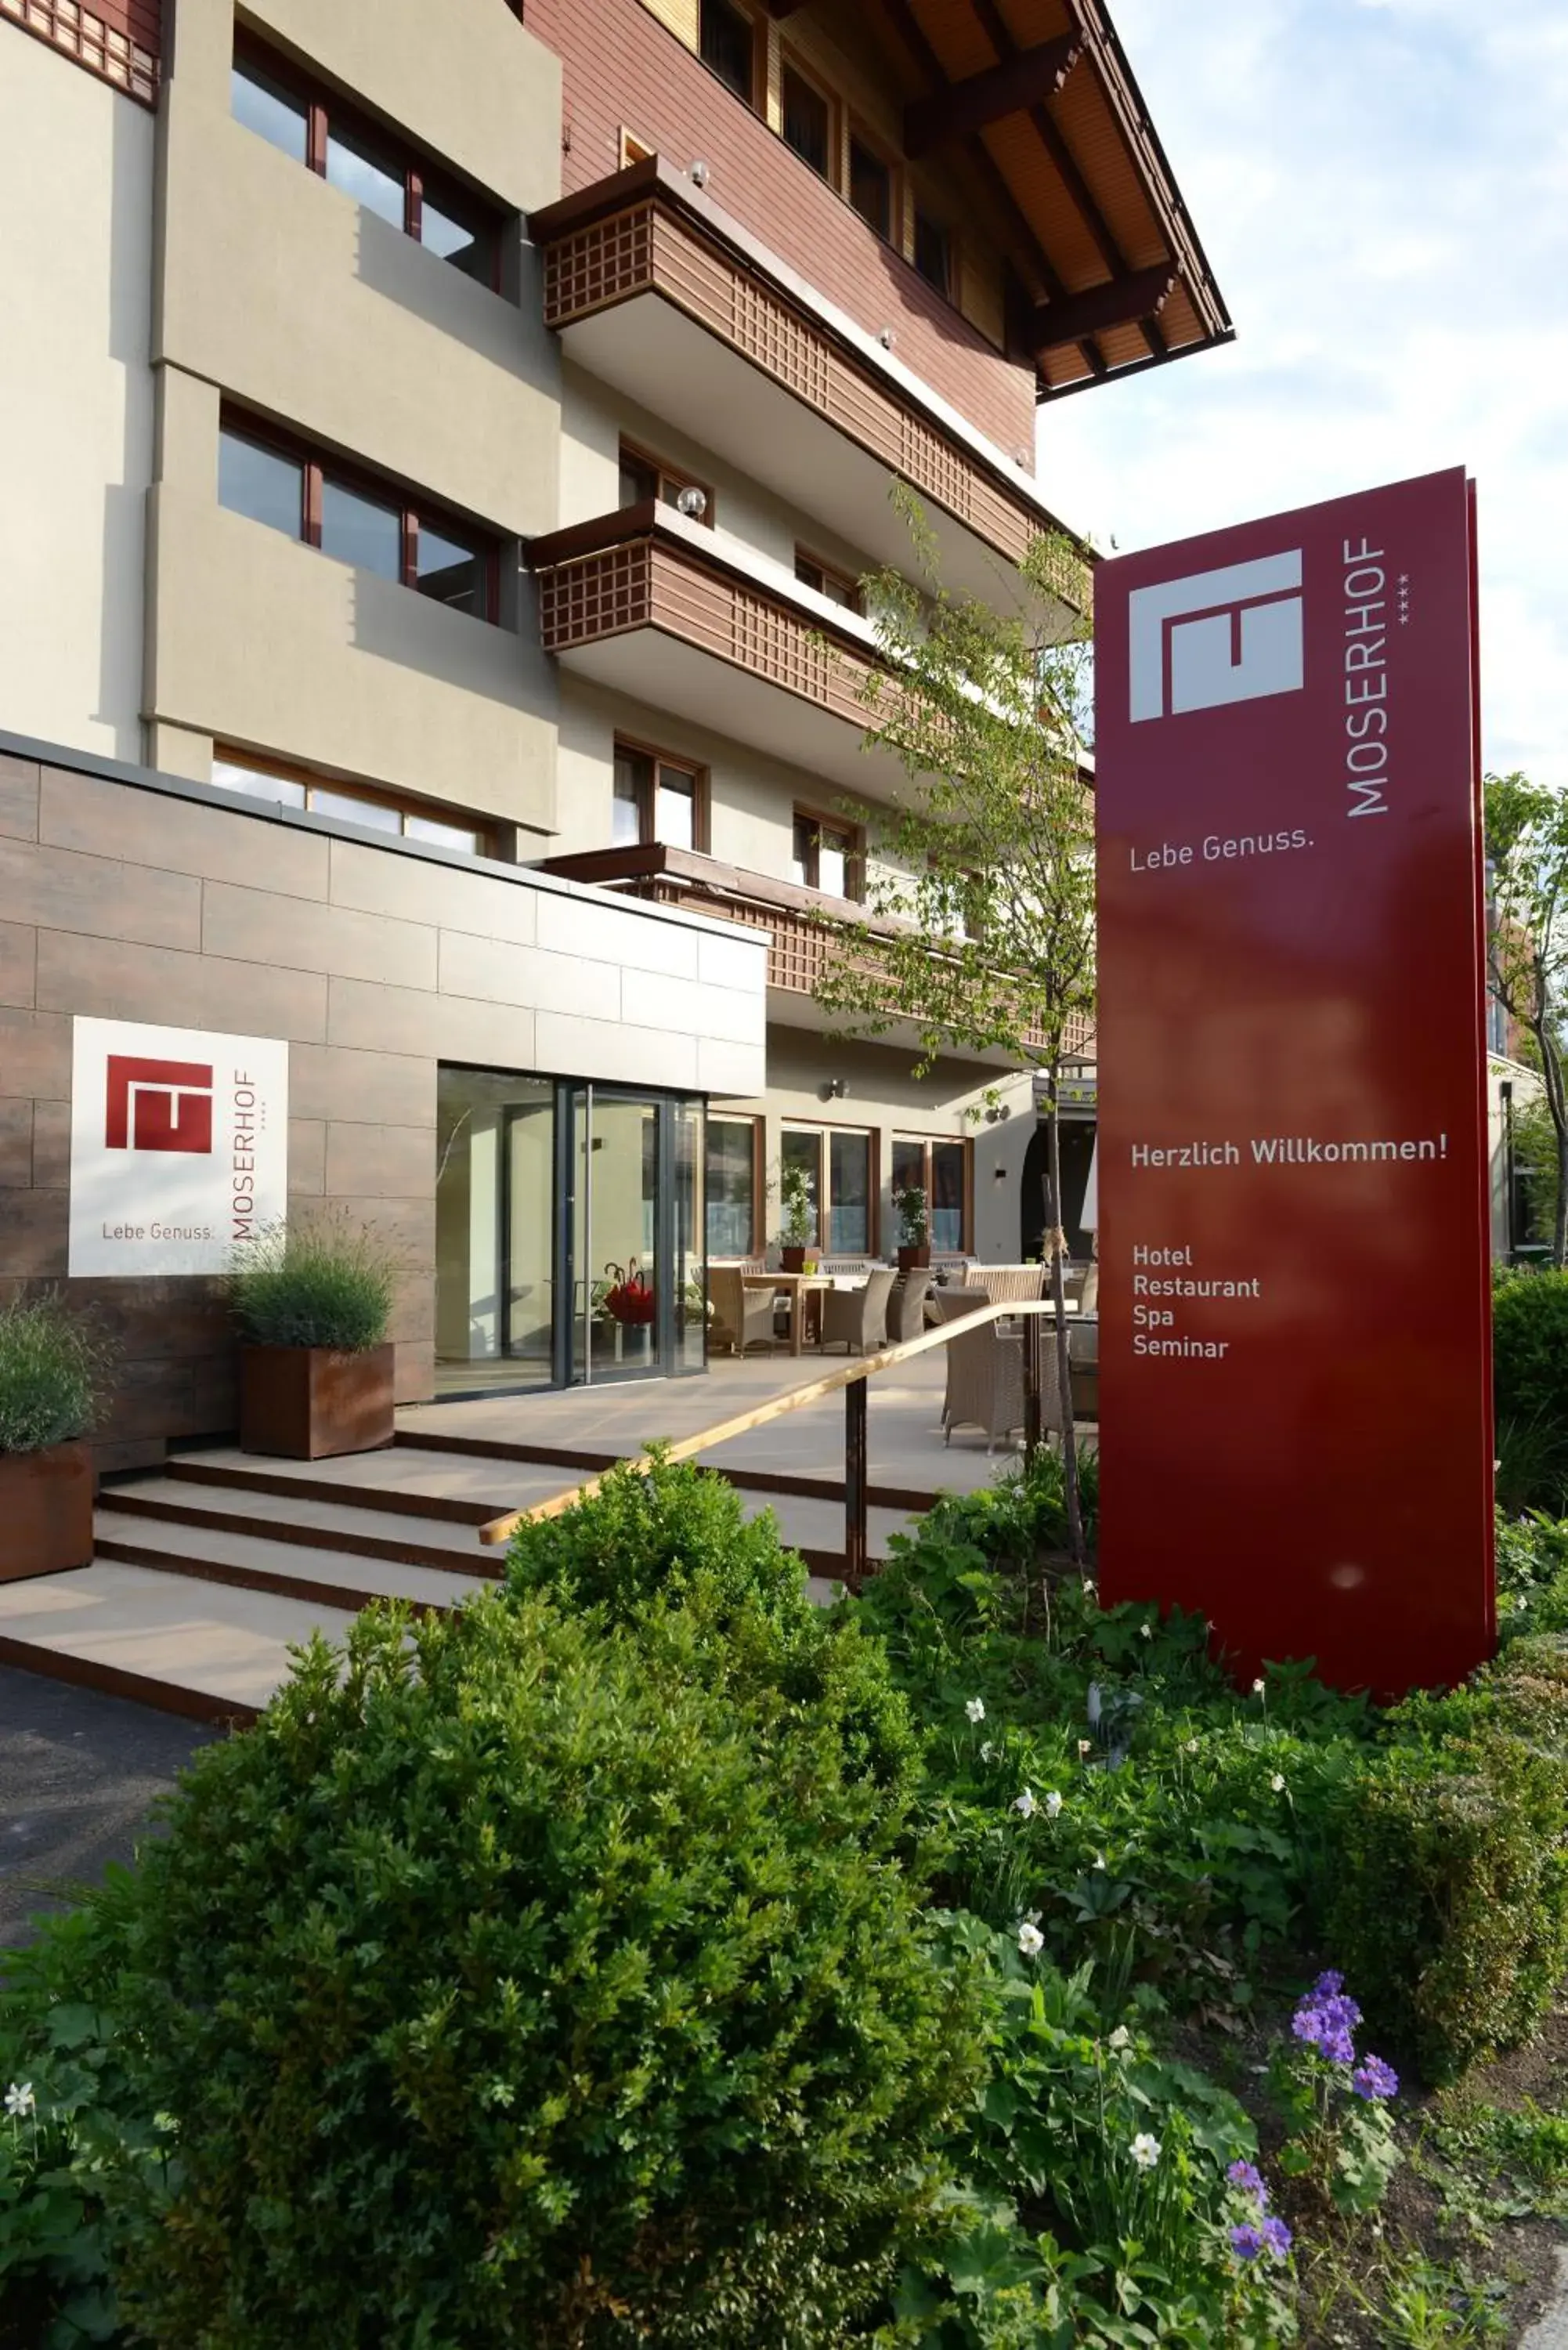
1380 187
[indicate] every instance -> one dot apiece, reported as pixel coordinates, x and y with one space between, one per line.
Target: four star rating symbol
1403 585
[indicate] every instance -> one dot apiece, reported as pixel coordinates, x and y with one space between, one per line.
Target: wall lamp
832 1089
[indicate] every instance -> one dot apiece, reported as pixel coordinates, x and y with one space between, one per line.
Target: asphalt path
79 1774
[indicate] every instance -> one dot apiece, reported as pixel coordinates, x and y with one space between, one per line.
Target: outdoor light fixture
886 338
693 503
699 174
832 1089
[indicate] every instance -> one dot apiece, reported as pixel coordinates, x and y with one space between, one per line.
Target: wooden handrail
500 1530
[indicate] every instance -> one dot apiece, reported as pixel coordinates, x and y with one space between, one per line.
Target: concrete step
325 1576
318 1521
208 1650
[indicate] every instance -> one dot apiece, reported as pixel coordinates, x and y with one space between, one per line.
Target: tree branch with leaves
1527 941
979 925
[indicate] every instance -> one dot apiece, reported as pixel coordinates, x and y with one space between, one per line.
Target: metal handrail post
855 1479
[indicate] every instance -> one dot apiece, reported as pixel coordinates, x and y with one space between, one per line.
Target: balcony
802 939
649 604
654 289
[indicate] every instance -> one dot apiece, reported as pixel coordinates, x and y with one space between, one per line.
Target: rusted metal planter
46 1510
914 1260
310 1403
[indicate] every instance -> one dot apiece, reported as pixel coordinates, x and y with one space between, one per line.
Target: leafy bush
1530 1379
314 1286
53 1365
83 2162
510 1985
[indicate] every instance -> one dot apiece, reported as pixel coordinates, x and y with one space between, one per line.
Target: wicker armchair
985 1383
858 1318
1006 1280
742 1309
907 1308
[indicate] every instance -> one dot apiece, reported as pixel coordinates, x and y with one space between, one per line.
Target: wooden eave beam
1019 81
1119 304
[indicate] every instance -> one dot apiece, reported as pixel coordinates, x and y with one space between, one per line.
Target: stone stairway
208 1573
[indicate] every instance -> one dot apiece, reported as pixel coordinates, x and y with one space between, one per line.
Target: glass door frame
573 1363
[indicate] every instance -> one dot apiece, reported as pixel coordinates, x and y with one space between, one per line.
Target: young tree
980 904
1527 942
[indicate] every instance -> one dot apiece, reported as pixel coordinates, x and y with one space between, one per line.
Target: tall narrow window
939 1170
727 40
807 122
655 799
848 1193
732 1186
871 186
934 252
800 1148
826 857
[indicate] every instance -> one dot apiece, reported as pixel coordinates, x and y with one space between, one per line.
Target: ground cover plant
966 1968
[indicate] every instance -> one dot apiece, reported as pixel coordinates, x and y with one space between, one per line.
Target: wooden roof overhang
1037 99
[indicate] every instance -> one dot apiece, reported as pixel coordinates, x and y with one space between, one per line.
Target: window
645 479
934 252
807 122
836 1162
374 529
871 186
732 1186
727 40
826 855
634 150
656 799
837 586
238 771
317 129
940 1170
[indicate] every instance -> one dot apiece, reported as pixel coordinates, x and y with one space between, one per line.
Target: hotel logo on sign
179 1147
1217 636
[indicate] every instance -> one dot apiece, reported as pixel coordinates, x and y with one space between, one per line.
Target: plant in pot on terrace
312 1302
53 1365
799 1218
914 1226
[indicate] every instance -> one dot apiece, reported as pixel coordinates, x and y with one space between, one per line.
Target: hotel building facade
444 443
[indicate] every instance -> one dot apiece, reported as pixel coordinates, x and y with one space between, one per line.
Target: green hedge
516 1986
1530 1377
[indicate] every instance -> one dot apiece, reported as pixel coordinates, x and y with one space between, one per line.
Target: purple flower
1329 1984
1325 2019
1249 2180
1277 2236
1373 2079
1246 2241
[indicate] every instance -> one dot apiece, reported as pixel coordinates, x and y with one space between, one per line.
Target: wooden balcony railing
800 923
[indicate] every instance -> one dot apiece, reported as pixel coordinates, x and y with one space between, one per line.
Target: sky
1381 187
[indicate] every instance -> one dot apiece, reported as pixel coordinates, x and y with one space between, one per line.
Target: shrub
511 1985
1530 1379
53 1364
314 1286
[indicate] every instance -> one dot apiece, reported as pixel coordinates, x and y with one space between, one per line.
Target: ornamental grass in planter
52 1369
315 1368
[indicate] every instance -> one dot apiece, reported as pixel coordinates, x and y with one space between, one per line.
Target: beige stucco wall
310 658
76 394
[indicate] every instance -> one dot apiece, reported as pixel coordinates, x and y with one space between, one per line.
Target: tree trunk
1056 1242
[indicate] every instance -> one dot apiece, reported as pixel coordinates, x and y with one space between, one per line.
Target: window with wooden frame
829 855
838 1163
873 187
809 122
733 43
644 477
840 587
331 139
352 515
292 786
940 1170
934 253
657 798
634 150
732 1185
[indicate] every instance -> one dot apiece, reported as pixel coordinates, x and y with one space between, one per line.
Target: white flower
1099 1860
1025 1804
19 2099
1090 1586
988 1751
1084 1746
975 1709
1031 1941
1259 1685
1053 1805
1191 1746
1144 2151
1146 1631
1121 2038
1277 1783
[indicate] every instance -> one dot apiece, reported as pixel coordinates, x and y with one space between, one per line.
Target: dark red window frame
319 469
325 112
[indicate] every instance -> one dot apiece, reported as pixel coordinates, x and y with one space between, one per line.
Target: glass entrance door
637 1276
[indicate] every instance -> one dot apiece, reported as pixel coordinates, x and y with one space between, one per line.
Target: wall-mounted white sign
179 1147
